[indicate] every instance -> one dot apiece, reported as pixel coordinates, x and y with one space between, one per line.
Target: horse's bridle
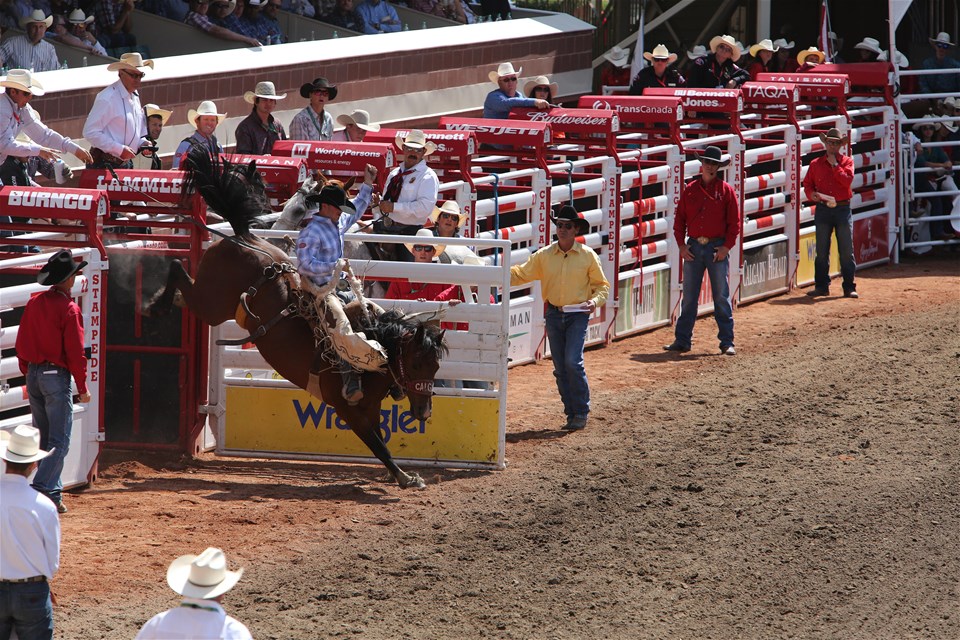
420 387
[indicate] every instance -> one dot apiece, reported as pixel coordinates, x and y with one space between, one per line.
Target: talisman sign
274 168
818 79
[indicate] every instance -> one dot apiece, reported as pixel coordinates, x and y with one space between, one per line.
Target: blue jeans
826 221
693 271
51 405
567 332
26 607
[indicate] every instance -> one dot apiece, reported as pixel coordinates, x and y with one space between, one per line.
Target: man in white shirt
31 51
30 531
202 581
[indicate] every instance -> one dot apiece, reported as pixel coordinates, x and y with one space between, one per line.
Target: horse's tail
235 192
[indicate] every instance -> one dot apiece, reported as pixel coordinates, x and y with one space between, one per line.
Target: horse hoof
413 481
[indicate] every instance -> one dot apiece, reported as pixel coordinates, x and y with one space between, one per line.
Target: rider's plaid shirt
321 242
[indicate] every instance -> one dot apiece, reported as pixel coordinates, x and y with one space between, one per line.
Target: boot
352 388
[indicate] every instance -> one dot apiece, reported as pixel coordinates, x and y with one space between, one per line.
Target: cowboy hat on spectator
763 45
205 108
22 445
713 154
901 59
153 110
204 576
451 207
812 51
503 69
618 57
730 42
426 234
417 140
360 118
316 85
869 44
699 51
541 81
834 135
23 80
78 17
943 38
263 90
130 61
567 212
660 52
36 15
920 125
59 268
781 43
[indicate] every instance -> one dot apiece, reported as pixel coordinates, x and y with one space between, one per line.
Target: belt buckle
703 239
387 222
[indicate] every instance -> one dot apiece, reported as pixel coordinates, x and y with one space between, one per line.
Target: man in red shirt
827 183
708 215
50 350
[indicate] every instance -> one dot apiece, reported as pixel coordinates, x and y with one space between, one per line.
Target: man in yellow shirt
573 286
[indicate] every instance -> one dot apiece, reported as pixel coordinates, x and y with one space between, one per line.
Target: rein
421 387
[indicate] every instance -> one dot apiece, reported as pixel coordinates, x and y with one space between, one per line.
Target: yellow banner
808 253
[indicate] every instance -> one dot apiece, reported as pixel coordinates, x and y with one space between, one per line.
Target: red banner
501 132
339 157
637 109
583 121
450 144
153 186
708 100
39 202
770 92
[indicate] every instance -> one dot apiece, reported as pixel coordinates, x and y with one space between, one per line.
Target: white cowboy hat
763 45
919 125
812 51
699 51
22 445
729 41
130 61
263 90
205 108
618 57
450 206
417 140
426 233
77 17
942 38
541 81
781 43
869 44
901 59
204 576
360 118
660 52
23 80
153 110
504 69
950 101
36 16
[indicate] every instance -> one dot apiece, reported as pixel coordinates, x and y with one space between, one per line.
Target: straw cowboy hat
834 135
450 206
699 51
869 44
504 69
153 110
618 57
812 51
205 108
22 445
317 84
567 212
781 43
715 155
942 38
729 41
660 52
130 61
426 233
263 90
36 16
77 17
541 81
59 268
919 125
204 576
23 80
901 59
360 118
763 45
417 140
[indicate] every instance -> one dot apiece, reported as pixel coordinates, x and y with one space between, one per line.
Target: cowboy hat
699 51
901 59
713 154
951 125
263 90
333 195
450 206
426 233
78 17
567 212
869 44
660 52
618 57
504 69
204 576
23 80
22 445
205 108
730 42
59 268
417 140
36 16
942 38
130 61
153 110
763 45
541 81
316 85
360 118
919 125
812 51
834 135
781 43
951 102
232 4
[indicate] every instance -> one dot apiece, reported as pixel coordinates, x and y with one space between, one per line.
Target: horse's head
417 365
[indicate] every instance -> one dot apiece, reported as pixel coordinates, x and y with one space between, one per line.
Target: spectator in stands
175 10
205 119
149 157
116 127
448 221
197 17
202 580
908 84
9 16
300 7
505 96
940 178
115 23
784 61
949 130
424 249
258 131
31 51
657 74
30 530
615 70
77 34
355 126
947 82
265 26
868 49
706 226
718 70
314 122
809 59
344 16
541 87
827 183
573 286
763 53
379 16
50 351
449 9
699 51
269 16
836 44
226 14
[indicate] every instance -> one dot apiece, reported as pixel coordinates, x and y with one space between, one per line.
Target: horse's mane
235 192
391 327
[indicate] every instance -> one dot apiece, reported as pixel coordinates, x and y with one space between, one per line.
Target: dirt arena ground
808 488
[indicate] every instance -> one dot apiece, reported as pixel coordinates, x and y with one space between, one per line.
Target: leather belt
843 203
706 240
23 580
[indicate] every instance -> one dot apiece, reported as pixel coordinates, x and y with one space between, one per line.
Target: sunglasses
134 74
424 247
448 216
511 79
410 149
564 225
940 45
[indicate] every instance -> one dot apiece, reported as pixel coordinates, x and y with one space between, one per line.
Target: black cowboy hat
318 83
714 154
567 212
59 267
332 194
